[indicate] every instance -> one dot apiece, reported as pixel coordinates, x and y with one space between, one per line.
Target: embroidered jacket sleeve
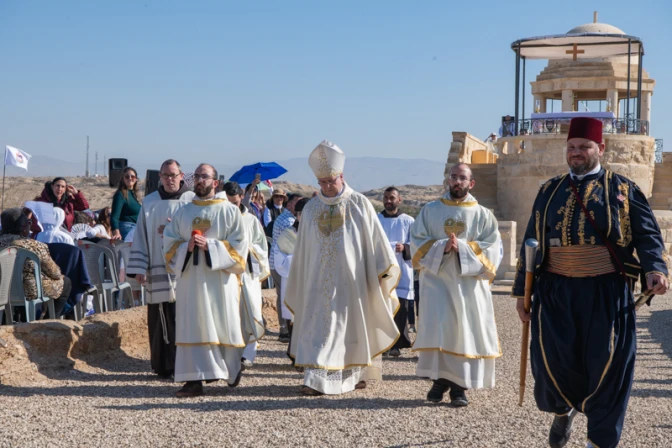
646 236
531 231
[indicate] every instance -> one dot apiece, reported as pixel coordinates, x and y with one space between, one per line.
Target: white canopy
578 46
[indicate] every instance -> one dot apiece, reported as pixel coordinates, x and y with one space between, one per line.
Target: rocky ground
87 384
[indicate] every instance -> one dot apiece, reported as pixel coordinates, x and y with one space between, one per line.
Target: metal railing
609 126
659 150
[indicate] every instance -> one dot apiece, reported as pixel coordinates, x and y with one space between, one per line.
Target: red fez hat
584 127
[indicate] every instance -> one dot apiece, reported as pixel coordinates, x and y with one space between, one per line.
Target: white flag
16 157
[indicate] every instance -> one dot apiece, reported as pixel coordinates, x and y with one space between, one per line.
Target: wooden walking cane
531 246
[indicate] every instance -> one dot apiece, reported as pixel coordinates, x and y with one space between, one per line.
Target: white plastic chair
12 260
122 253
100 259
5 305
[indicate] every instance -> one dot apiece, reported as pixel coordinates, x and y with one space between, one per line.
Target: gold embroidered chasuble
341 285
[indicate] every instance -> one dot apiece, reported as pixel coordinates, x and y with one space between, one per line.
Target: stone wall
520 174
463 146
664 218
507 230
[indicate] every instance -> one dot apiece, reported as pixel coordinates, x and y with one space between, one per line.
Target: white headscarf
53 232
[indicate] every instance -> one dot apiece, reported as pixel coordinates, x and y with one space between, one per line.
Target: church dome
604 28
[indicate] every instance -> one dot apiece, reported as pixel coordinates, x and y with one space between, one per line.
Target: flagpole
4 169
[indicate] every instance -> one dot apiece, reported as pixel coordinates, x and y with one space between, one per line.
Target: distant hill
361 173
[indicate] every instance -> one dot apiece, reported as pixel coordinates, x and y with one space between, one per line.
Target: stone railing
465 148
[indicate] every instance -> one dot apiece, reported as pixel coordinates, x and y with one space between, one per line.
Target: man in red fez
588 222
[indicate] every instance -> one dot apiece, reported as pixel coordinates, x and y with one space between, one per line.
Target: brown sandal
360 385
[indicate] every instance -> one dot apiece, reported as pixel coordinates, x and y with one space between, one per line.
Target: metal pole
627 101
87 157
4 169
639 83
515 120
524 88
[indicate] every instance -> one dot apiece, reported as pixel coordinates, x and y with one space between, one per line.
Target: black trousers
162 353
583 350
401 318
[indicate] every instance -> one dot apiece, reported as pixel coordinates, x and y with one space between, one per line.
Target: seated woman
15 230
103 229
61 195
53 233
125 205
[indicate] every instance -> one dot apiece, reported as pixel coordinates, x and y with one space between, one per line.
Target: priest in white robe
206 248
456 244
256 271
341 284
147 264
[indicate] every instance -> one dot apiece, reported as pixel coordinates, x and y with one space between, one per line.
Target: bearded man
456 244
589 223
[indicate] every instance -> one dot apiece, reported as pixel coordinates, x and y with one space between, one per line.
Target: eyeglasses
130 176
459 178
171 175
202 177
327 183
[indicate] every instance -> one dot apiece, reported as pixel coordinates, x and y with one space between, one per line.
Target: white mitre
327 160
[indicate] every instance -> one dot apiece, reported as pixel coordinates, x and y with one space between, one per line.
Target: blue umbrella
268 171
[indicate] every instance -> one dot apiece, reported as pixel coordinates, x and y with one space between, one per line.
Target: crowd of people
347 280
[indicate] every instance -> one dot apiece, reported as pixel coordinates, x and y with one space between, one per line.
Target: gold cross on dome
574 52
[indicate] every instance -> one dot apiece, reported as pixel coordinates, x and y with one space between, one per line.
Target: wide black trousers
162 352
583 350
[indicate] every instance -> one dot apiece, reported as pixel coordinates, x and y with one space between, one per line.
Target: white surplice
398 231
256 271
147 250
341 291
283 255
457 335
209 334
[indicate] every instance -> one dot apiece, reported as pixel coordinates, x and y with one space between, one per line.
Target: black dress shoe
435 394
561 429
458 398
237 380
190 389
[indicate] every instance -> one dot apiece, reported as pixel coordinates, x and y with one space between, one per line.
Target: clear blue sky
237 82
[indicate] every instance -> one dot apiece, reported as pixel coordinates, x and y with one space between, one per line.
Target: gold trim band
460 355
421 252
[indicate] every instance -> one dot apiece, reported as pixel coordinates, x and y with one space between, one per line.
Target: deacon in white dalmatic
341 284
456 244
256 271
205 246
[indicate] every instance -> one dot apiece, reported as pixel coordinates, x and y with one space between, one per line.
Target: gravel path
117 403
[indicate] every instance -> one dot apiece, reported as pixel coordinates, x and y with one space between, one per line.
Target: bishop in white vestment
341 284
206 248
456 244
147 263
256 271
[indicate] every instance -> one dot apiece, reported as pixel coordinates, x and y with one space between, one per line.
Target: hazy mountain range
362 173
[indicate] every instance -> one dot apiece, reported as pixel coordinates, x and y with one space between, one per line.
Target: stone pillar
612 94
507 230
646 107
567 100
542 103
